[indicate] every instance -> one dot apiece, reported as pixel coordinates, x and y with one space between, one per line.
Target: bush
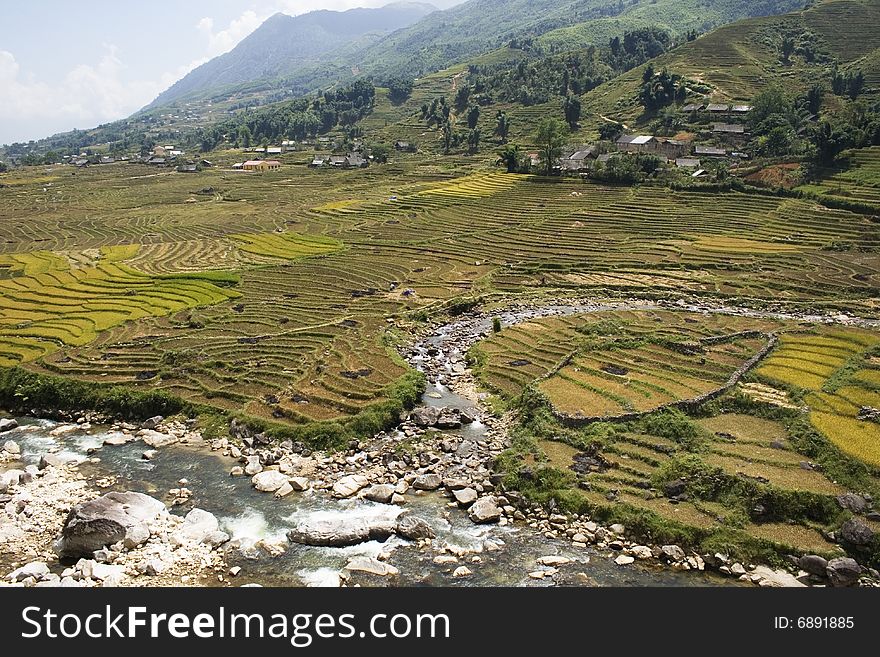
496 324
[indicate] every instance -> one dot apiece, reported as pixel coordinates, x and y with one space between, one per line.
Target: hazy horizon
100 61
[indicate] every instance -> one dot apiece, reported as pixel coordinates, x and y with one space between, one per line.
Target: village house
693 107
662 146
741 109
261 165
729 128
356 161
534 159
710 151
717 108
317 163
637 143
188 168
404 147
157 161
579 160
687 163
672 148
274 150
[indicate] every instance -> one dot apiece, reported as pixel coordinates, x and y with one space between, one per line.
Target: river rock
813 564
155 439
429 481
11 447
852 502
10 478
299 484
371 566
465 496
856 532
673 552
342 531
485 510
553 560
285 490
38 570
349 485
216 539
413 528
197 526
380 493
468 415
55 461
425 416
642 552
253 465
768 577
462 571
268 481
843 571
153 422
107 520
449 418
7 424
624 560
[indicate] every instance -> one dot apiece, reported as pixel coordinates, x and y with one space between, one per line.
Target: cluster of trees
637 47
627 168
782 125
299 119
661 89
847 84
399 89
541 79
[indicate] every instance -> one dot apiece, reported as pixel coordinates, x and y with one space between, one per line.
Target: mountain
286 43
739 60
479 26
321 48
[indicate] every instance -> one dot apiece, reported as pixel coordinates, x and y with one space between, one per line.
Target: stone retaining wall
574 421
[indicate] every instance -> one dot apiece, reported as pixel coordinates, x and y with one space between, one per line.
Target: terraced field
858 180
614 363
48 301
743 448
839 372
326 260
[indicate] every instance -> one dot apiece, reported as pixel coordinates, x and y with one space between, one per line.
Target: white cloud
226 39
86 92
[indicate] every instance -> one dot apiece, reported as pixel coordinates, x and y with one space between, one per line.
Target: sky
76 64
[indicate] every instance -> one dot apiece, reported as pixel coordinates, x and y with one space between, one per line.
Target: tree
449 136
502 126
3 167
787 48
854 84
813 99
610 131
399 89
244 136
510 157
473 116
572 108
551 139
473 141
462 98
379 153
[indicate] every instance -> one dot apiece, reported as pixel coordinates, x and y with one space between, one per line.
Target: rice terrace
645 271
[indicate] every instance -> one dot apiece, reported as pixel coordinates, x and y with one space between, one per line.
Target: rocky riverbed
416 505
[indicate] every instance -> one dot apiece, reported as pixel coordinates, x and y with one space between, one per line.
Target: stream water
506 554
